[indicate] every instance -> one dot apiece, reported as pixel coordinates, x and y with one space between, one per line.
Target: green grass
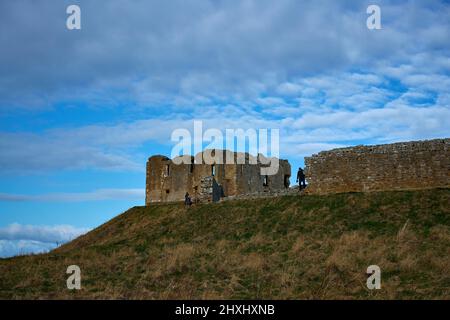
290 247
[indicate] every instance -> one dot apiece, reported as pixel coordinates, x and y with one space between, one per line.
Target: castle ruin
169 181
396 166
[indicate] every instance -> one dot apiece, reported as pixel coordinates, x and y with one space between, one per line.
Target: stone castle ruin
168 181
397 166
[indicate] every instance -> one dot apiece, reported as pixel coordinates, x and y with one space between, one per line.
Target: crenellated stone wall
397 166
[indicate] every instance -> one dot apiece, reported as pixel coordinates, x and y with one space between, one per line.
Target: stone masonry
167 181
397 166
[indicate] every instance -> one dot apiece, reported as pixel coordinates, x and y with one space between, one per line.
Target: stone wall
405 165
168 181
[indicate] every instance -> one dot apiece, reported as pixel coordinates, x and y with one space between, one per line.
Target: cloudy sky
81 110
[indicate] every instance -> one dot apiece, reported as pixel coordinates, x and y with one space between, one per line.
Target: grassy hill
291 247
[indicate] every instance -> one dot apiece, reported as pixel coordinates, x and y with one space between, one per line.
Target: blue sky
81 110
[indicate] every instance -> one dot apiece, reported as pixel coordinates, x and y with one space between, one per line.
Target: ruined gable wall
277 181
177 182
406 165
155 178
250 180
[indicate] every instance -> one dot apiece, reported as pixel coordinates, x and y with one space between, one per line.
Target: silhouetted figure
301 179
187 200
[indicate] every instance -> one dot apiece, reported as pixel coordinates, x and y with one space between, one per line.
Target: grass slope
289 247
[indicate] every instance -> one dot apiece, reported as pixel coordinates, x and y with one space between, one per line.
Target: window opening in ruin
167 170
213 170
191 168
266 181
167 190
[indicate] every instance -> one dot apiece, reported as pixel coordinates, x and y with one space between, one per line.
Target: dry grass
283 248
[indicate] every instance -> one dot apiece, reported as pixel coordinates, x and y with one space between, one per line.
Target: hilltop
288 247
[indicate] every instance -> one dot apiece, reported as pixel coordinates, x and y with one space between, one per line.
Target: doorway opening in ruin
266 181
286 181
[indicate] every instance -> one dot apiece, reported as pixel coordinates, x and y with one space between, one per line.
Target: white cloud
53 234
48 151
204 51
311 69
306 149
17 239
97 195
289 89
339 110
10 248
